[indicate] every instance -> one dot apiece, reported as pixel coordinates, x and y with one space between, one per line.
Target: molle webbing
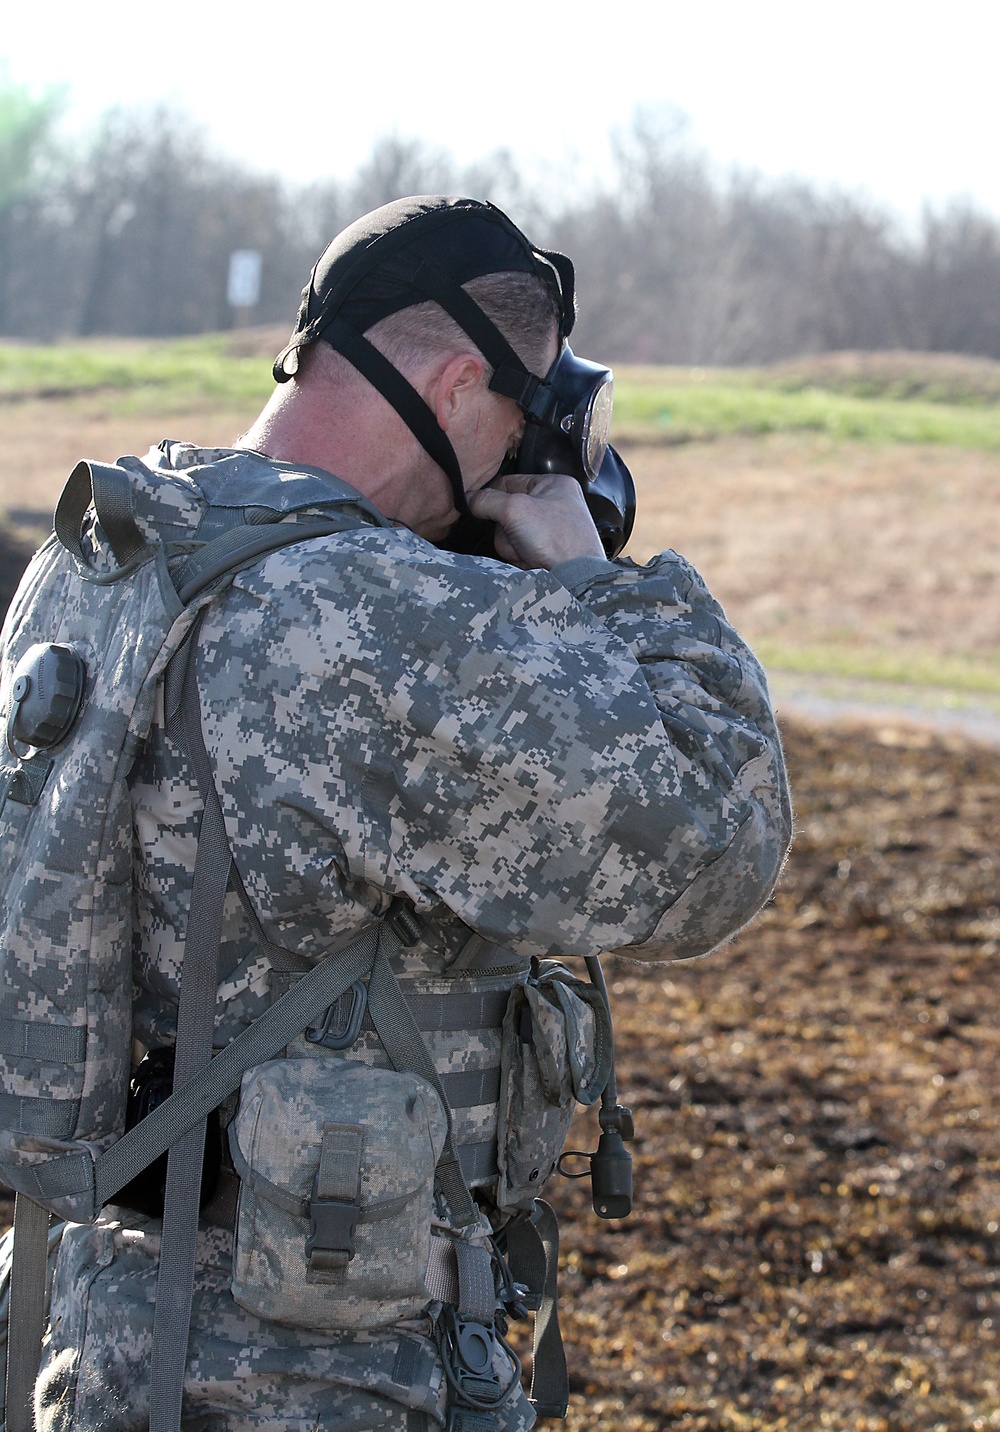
466 1011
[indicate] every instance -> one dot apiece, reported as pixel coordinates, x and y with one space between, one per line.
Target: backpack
103 615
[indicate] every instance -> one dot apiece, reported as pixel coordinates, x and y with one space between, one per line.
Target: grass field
953 401
845 509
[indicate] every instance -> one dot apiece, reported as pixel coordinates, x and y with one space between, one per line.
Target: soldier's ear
458 382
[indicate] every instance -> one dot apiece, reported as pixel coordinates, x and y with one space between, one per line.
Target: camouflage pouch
556 1052
337 1167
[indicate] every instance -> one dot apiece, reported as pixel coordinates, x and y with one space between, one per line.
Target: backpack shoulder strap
26 1313
107 487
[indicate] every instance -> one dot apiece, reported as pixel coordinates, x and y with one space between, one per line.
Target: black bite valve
611 1165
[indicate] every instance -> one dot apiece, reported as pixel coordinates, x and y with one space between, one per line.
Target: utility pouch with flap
556 1051
336 1161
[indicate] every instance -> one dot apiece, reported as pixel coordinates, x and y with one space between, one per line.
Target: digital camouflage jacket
547 764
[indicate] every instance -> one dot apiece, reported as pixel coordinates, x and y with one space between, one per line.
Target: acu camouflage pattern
547 764
568 762
66 870
243 1374
361 1135
556 1052
66 879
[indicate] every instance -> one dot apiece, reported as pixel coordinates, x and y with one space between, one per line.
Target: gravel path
973 716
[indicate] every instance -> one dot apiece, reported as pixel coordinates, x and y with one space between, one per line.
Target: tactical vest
371 1223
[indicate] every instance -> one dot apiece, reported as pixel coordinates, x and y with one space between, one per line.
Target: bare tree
676 263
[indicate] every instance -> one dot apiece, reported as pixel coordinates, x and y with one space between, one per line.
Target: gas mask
567 424
426 248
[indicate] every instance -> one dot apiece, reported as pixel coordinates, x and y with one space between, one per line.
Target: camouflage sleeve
570 762
715 710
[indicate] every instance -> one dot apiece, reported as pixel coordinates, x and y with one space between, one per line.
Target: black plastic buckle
469 1348
25 781
331 1231
404 922
341 1024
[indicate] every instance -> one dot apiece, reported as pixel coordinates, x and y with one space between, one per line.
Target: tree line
130 232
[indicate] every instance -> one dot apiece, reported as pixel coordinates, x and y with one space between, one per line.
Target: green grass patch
666 410
653 404
179 369
923 670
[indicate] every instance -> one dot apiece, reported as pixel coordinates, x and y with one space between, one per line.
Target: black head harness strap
384 263
410 406
510 376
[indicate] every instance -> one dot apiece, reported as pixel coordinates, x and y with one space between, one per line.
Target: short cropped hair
519 304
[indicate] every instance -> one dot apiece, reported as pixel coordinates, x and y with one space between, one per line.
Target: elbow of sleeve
725 895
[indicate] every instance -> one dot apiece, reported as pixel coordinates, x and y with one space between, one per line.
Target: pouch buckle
404 922
468 1348
330 1245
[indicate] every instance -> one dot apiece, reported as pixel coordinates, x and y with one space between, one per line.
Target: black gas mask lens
571 414
568 423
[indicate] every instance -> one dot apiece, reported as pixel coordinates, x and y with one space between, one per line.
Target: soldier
547 753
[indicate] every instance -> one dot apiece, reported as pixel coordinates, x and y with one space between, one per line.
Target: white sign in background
243 289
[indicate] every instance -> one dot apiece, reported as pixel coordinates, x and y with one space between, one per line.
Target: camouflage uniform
544 763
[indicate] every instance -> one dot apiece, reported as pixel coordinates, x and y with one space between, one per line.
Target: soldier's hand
541 520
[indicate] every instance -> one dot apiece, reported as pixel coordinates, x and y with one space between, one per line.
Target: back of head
431 274
415 252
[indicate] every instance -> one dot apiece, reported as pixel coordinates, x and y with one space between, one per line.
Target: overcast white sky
898 100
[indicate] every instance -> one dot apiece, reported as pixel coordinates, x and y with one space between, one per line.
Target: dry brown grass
943 377
806 542
42 439
810 543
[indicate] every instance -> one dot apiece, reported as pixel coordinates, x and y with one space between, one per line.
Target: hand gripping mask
426 248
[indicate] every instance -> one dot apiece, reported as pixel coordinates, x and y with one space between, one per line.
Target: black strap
533 1257
108 488
407 402
26 1316
511 376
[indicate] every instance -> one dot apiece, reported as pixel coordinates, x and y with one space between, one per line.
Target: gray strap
30 1114
108 487
174 687
195 1025
299 1207
477 1296
478 1161
484 1009
241 545
26 1318
533 1256
31 1039
260 1041
468 1088
462 1273
406 1049
338 1180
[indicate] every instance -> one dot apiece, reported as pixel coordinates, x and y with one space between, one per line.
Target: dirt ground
808 542
815 1242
